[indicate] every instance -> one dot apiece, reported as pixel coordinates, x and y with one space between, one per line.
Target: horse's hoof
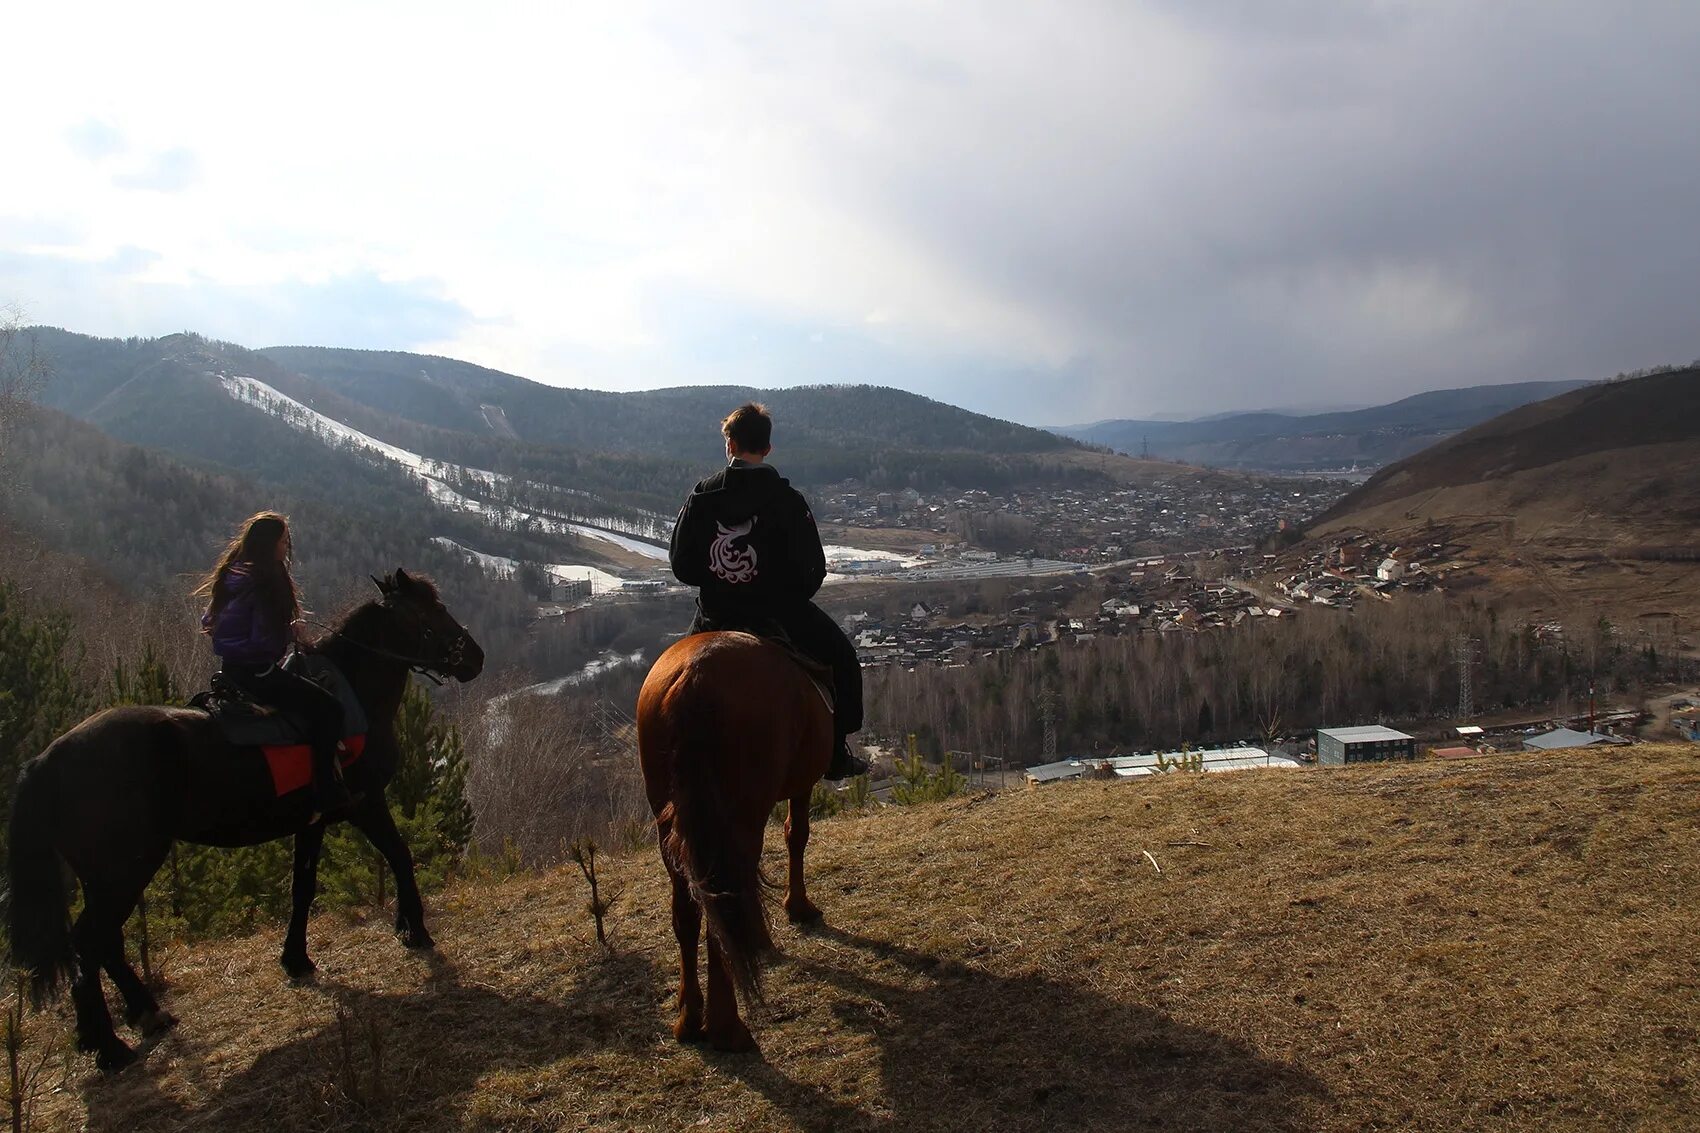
155 1022
735 1039
688 1030
114 1057
419 941
298 967
804 915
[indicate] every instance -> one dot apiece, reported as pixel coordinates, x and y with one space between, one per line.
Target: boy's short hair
749 427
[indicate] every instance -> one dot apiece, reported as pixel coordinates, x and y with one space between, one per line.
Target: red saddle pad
292 764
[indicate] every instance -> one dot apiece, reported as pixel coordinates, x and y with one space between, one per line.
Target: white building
1139 766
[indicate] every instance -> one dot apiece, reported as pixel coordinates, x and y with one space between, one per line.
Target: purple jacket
245 631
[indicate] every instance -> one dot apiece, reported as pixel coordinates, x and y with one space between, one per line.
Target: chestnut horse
728 725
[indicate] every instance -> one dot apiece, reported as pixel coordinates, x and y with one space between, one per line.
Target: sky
1054 213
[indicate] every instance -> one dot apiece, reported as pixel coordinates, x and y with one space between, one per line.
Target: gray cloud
1246 203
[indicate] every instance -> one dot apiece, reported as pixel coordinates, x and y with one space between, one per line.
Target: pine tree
430 776
428 793
40 693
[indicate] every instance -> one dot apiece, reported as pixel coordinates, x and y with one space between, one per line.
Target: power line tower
1145 448
1048 716
1464 652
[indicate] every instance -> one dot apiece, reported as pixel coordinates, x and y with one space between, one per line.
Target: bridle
435 669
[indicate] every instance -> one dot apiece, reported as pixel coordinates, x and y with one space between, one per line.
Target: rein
433 670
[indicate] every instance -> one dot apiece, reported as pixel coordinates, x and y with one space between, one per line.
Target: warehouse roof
1367 734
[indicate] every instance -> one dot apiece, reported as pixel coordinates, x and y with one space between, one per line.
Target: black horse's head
425 630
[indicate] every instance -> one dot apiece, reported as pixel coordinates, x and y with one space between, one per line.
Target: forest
1386 662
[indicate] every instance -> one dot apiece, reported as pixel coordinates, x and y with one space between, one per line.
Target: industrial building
1560 738
1137 766
1338 746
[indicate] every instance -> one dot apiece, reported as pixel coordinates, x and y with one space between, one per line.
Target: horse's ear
384 585
402 582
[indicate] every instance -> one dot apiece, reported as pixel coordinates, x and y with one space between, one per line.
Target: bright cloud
1052 212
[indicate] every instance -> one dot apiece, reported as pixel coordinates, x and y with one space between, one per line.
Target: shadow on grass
407 1060
972 1050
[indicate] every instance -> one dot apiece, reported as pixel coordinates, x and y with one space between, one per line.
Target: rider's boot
845 764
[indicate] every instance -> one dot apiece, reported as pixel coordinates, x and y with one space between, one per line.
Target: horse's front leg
304 886
372 818
798 908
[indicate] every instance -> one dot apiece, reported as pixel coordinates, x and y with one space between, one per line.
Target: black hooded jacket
747 540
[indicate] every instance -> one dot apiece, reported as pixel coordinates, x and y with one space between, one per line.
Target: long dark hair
255 546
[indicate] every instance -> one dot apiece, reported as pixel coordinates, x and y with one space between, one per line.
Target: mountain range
1284 442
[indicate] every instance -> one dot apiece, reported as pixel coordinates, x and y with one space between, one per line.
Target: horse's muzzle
470 662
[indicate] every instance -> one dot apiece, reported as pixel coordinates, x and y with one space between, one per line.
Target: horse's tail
38 919
705 843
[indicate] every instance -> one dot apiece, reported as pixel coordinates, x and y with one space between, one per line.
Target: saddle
282 736
819 675
773 633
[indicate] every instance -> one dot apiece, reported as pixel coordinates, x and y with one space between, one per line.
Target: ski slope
437 476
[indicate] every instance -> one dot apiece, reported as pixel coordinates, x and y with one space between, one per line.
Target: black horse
110 797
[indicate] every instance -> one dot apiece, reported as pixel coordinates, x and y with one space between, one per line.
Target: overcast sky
1054 212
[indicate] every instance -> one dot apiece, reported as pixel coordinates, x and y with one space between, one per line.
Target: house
1390 570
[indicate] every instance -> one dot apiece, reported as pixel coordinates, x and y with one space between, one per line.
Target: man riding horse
747 540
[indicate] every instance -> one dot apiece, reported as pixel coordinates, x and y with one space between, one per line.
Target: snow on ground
607 662
837 556
601 582
434 473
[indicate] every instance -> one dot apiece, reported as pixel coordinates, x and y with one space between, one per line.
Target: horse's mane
352 617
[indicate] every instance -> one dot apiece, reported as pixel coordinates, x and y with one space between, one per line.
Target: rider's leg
817 635
323 714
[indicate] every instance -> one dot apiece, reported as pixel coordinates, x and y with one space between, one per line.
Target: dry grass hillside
1585 503
1507 943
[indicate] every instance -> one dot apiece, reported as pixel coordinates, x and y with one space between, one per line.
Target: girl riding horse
110 797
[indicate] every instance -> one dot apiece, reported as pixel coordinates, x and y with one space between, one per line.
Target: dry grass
1506 943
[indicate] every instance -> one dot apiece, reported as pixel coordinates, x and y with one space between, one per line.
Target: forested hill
151 524
672 422
1286 442
633 452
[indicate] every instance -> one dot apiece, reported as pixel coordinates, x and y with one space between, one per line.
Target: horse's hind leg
687 929
798 908
141 1010
94 936
724 1029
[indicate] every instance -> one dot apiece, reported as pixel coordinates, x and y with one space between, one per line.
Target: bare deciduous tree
23 371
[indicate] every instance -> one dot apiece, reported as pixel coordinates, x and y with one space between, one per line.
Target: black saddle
246 722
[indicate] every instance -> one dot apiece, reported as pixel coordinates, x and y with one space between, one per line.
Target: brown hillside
1586 503
1506 943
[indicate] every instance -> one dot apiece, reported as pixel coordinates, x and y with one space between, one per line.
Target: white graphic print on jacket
733 564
